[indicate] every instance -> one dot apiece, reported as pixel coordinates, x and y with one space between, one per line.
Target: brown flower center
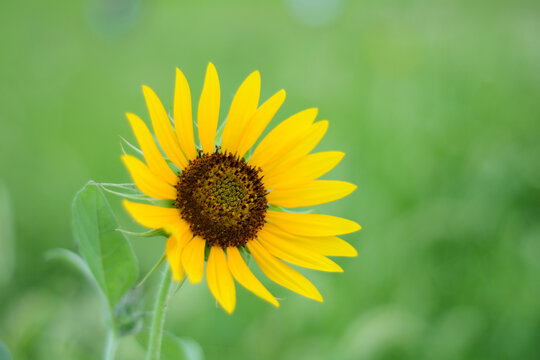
222 198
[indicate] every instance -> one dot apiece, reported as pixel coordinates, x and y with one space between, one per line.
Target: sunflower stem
158 320
110 345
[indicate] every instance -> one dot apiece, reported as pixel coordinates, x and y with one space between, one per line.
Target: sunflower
221 202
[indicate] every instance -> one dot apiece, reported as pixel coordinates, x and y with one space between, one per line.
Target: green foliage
73 259
107 252
173 347
435 104
127 315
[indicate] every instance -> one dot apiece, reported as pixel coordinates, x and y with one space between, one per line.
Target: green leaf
127 314
128 191
173 347
4 353
133 147
71 258
149 233
107 252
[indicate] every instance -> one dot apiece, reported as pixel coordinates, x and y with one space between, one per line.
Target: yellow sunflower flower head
220 198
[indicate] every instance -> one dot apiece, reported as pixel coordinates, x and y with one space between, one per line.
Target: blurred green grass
435 104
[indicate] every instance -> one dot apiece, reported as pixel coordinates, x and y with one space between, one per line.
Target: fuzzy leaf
107 252
71 258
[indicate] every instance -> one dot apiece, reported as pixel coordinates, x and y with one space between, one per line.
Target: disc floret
222 198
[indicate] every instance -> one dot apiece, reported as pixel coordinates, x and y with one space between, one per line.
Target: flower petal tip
273 301
177 277
353 253
211 67
354 227
312 111
256 74
194 281
146 89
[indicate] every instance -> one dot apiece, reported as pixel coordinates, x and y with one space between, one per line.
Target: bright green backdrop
436 104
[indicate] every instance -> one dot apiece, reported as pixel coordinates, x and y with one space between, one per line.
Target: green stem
110 346
151 271
158 320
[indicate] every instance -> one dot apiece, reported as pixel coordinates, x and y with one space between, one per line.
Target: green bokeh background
436 104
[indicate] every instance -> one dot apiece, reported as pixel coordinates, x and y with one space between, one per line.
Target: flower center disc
222 198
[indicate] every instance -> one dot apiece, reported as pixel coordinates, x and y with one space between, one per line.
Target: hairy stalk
158 320
110 345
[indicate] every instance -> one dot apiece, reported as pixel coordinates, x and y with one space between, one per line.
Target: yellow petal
152 155
146 181
193 259
208 112
243 107
311 224
324 245
313 193
299 151
151 216
283 138
220 280
309 168
245 277
183 120
163 128
180 229
259 121
281 273
157 217
174 253
295 254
